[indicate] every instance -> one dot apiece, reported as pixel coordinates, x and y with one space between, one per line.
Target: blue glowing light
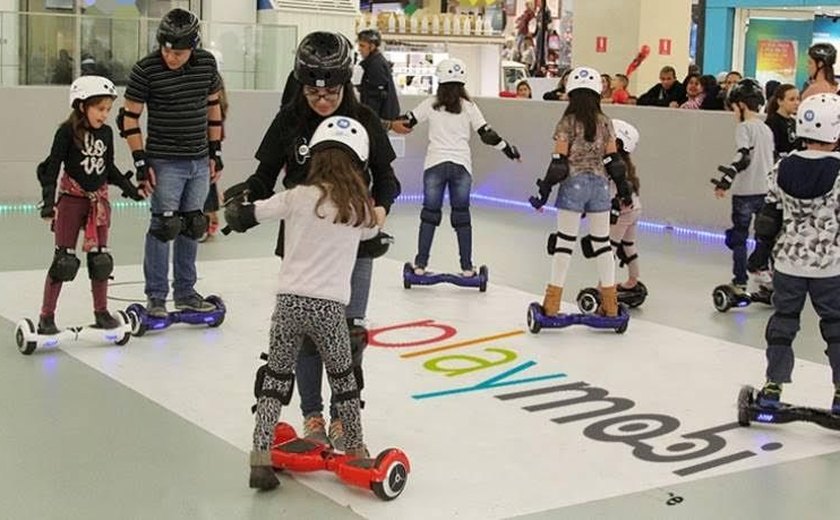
765 417
158 325
51 342
684 232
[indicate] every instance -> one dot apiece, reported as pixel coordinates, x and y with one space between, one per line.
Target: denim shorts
584 192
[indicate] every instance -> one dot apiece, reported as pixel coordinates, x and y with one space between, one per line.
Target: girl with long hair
452 117
326 217
84 145
585 159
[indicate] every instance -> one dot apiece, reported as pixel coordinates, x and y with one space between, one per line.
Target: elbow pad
489 136
121 117
742 160
768 223
617 171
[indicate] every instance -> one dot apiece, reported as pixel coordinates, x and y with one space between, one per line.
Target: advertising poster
776 60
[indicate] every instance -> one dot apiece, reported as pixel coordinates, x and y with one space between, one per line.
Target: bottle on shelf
456 24
488 26
479 25
447 24
424 24
392 23
435 24
401 23
413 22
467 28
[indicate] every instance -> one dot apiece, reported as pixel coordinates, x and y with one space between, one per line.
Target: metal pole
77 53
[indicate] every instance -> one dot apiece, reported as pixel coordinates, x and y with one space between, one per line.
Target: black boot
104 320
262 472
46 325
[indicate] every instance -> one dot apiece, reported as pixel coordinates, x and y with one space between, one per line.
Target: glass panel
53 49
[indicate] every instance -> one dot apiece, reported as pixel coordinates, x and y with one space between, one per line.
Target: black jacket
377 89
657 96
286 139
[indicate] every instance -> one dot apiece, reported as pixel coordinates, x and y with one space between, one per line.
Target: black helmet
744 90
178 29
324 59
371 36
824 52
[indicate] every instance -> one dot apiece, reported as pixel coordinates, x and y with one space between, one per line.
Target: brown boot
262 472
609 302
551 302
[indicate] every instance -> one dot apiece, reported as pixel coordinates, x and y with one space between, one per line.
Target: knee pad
830 330
100 265
735 238
778 332
165 226
344 384
593 246
193 224
566 242
621 253
65 265
460 218
269 383
430 216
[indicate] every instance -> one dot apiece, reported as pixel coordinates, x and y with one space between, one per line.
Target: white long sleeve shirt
319 254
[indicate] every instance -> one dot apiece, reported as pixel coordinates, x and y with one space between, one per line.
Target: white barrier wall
678 153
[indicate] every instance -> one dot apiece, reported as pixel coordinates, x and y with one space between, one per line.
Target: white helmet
452 70
818 118
584 77
86 87
627 134
342 132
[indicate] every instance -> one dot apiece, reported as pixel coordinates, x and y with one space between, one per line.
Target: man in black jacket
377 89
667 93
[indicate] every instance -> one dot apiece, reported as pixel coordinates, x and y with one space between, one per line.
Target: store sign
776 60
600 44
665 46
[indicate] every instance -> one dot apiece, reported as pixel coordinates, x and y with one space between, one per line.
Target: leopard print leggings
322 320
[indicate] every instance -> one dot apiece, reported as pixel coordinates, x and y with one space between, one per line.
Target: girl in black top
85 145
781 118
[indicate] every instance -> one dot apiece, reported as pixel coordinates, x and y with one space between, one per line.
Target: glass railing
53 49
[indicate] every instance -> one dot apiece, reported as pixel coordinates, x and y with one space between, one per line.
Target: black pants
789 294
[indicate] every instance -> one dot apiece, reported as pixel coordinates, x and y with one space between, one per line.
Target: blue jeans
182 186
744 207
584 193
435 181
310 368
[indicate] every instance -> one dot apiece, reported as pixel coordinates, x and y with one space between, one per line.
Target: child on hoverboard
452 117
584 161
326 218
77 200
623 223
746 179
799 225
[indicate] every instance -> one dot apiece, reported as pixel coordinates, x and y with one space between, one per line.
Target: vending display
414 70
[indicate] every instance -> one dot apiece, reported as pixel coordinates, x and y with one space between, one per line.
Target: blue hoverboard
141 322
537 320
749 410
479 280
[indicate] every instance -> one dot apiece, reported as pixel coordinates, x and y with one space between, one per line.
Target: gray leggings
789 294
322 320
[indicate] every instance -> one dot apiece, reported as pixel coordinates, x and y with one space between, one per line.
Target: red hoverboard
386 475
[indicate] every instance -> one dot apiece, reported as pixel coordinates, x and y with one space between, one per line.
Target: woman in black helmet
323 67
821 59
